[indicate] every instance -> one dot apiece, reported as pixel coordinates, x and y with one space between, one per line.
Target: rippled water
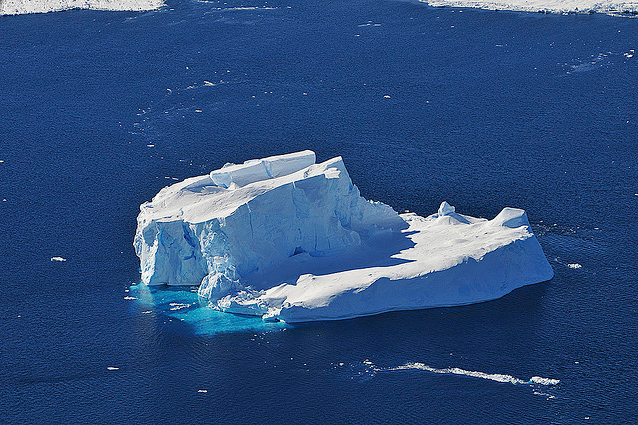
483 109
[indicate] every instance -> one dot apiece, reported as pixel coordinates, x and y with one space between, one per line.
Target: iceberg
288 239
609 7
21 7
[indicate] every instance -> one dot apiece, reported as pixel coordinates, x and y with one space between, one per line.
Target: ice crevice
288 239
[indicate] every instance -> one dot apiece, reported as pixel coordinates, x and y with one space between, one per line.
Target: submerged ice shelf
287 239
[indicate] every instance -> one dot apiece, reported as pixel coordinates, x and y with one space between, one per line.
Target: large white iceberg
610 7
20 7
286 238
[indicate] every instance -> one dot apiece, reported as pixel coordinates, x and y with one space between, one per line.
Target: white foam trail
490 376
21 7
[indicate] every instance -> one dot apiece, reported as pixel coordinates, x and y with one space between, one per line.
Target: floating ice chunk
19 7
544 381
59 259
287 239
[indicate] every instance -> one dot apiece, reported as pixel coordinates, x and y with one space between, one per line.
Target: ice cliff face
246 218
283 237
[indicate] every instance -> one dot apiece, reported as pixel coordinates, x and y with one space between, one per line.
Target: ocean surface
484 109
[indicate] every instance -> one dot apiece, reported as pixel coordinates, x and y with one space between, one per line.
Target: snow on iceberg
21 7
287 239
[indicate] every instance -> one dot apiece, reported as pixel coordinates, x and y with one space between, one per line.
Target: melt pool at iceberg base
287 239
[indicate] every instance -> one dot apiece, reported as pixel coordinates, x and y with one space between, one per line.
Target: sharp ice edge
548 6
498 377
285 238
21 7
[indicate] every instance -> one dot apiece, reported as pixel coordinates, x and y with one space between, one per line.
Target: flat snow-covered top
199 199
428 245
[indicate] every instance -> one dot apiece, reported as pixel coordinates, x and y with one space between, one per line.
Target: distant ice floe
59 259
610 7
21 7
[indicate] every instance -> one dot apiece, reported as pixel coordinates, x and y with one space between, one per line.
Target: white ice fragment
544 381
59 259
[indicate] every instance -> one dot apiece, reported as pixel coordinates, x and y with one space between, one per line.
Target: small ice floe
112 368
59 259
178 306
202 391
574 266
129 298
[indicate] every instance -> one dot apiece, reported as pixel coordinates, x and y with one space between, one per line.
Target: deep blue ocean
99 110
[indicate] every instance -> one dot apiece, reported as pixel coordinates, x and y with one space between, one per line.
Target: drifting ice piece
285 238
